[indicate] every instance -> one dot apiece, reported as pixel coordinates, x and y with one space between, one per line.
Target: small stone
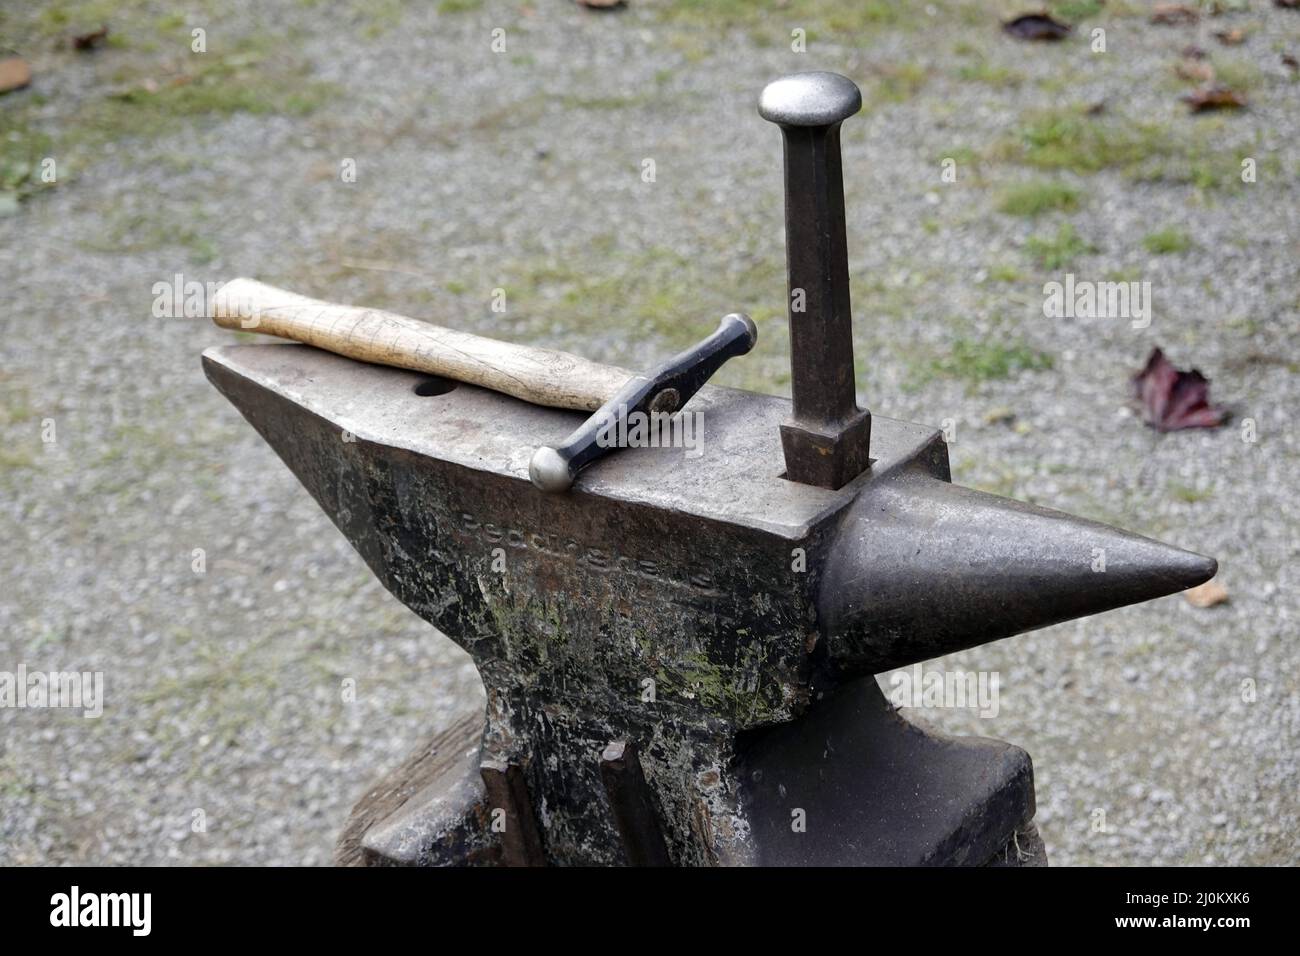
1206 595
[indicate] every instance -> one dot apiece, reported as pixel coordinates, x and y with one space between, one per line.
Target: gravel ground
522 170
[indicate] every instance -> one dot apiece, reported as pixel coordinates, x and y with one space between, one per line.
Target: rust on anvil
633 806
507 793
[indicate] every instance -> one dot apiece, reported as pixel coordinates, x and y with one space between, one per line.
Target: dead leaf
88 41
1096 109
1172 399
1197 70
1234 37
1194 52
1172 14
1214 98
1206 595
1287 4
14 74
1037 26
600 4
1290 62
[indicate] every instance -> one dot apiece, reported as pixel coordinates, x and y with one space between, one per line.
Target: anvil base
852 784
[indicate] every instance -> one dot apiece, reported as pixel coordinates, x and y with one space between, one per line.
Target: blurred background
502 145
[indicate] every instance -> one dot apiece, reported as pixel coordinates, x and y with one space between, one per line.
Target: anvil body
725 619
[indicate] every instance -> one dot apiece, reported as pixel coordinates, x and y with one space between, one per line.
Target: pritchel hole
434 386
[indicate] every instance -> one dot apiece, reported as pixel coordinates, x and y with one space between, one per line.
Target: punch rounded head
549 470
810 99
751 330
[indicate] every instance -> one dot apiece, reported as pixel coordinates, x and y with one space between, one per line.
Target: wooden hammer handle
536 375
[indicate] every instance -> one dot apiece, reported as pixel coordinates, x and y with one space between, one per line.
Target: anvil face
678 602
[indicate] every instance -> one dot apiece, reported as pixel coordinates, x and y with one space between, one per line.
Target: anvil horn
922 568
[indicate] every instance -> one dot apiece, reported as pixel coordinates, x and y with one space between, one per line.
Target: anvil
679 652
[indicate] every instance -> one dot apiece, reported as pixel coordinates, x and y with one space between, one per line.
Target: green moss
961 155
608 102
1036 198
22 150
975 361
1055 252
459 6
1004 273
1188 494
895 84
1072 11
1167 241
823 15
1239 75
10 458
1070 139
143 99
129 232
218 86
990 74
15 403
1196 153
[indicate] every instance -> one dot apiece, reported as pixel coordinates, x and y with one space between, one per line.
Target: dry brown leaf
1194 52
1174 13
1214 98
1206 595
1290 62
14 74
1197 70
600 4
1234 37
1037 26
88 41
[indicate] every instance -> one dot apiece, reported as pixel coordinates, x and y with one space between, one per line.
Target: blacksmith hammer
537 375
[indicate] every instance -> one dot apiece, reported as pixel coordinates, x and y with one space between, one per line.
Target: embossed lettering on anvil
598 559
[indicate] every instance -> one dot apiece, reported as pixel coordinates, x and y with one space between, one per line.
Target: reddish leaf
1172 399
1174 13
1214 98
1036 26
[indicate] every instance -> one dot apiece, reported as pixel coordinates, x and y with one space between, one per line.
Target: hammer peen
536 375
